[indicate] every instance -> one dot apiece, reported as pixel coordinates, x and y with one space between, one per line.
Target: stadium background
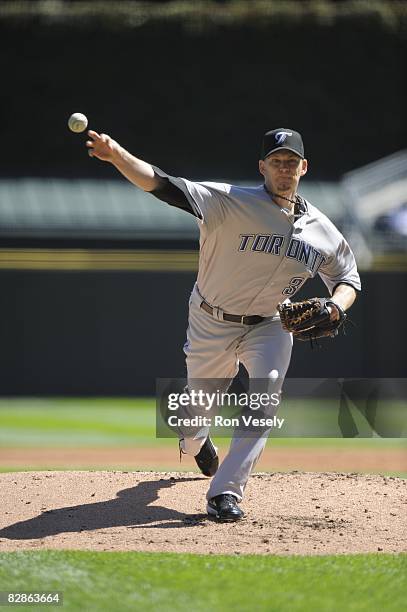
93 304
95 275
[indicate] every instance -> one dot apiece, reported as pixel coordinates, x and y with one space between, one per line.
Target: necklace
297 203
275 195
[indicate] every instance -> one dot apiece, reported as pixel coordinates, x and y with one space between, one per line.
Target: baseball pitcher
258 246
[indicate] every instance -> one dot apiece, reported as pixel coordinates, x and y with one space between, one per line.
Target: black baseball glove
310 319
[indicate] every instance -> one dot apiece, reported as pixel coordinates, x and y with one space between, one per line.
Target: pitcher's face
282 171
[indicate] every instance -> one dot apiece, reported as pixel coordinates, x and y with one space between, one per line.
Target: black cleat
224 507
207 459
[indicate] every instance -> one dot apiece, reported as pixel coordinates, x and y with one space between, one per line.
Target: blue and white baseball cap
282 138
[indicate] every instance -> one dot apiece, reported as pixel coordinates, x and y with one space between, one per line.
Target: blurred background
96 274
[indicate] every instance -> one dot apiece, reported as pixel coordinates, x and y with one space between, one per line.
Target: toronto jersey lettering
296 249
262 255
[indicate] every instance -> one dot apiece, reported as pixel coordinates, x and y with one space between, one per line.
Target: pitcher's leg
266 354
192 442
237 466
211 361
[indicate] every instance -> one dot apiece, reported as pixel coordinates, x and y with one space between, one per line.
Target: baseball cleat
207 459
224 508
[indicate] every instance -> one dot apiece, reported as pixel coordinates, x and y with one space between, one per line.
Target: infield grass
107 581
31 422
125 423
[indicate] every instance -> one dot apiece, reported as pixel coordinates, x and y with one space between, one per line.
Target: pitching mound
294 513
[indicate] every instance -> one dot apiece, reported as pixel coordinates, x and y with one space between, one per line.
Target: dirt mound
291 513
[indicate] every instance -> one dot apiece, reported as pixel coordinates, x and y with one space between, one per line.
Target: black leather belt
244 320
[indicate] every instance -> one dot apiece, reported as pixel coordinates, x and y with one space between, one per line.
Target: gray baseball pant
213 350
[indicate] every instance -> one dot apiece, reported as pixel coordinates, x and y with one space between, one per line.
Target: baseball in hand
77 122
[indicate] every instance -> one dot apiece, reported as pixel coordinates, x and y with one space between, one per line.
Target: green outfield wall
114 332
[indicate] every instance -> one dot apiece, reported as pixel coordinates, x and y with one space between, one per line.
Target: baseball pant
214 349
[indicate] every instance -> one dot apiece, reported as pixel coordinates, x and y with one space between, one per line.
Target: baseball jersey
252 254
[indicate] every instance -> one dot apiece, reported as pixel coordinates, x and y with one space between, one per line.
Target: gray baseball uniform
253 255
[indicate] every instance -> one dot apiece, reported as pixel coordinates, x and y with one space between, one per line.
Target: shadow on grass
131 508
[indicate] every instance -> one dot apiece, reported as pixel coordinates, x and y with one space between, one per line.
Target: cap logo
282 136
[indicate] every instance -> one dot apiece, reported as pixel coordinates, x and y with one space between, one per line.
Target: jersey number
293 286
